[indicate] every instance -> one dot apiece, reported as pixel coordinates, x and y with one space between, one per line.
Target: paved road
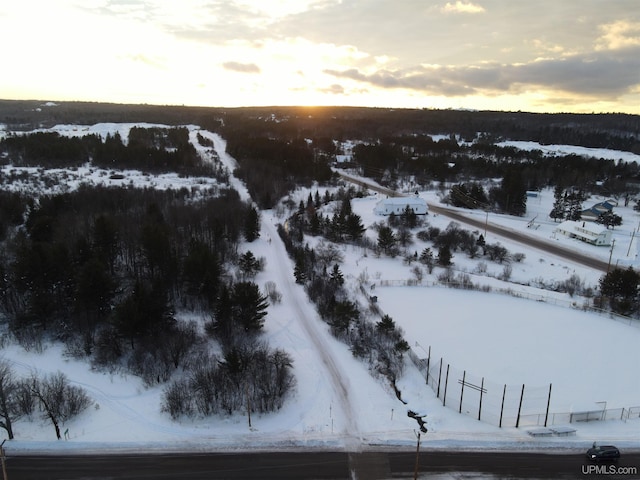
312 465
514 235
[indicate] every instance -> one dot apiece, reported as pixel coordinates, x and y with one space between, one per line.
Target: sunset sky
540 56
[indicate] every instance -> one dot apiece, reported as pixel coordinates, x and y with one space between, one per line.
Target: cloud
617 35
146 59
134 9
241 67
334 89
609 75
462 7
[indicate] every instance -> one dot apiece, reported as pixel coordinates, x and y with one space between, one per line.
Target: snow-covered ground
588 358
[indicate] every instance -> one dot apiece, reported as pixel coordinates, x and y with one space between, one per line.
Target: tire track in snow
298 298
306 314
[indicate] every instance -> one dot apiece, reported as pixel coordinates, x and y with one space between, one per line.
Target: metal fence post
481 392
446 381
546 415
464 373
439 378
504 392
520 407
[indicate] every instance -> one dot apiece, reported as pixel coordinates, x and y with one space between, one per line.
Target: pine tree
299 271
559 206
354 228
249 306
609 219
222 322
336 275
444 256
574 206
249 265
386 325
252 224
409 217
387 240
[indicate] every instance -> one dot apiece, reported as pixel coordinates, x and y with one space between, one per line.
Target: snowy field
589 358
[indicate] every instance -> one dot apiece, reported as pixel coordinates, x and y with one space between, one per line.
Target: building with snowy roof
594 212
585 231
397 205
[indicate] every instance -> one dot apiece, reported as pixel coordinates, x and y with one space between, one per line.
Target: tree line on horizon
617 131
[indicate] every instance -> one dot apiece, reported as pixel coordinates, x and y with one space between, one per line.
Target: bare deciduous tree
59 400
9 410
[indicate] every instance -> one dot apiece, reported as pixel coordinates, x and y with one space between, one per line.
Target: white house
397 205
586 231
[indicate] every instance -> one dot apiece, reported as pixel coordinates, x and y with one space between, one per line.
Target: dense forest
106 270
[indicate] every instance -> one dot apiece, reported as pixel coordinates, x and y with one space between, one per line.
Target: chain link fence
503 405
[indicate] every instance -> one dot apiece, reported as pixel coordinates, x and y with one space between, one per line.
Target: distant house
397 205
586 232
598 209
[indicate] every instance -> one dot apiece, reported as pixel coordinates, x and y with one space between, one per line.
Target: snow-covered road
297 299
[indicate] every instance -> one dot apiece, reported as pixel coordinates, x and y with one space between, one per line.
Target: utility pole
486 221
248 404
4 466
415 470
613 242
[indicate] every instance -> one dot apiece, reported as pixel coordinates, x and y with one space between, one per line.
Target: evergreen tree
387 240
559 207
409 218
252 224
574 204
249 306
201 272
511 195
336 275
299 270
444 256
222 322
249 265
386 325
344 313
621 288
354 228
609 219
315 223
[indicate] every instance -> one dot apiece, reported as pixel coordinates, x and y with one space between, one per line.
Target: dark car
603 453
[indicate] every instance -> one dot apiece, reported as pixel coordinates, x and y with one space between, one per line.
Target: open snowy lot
588 358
